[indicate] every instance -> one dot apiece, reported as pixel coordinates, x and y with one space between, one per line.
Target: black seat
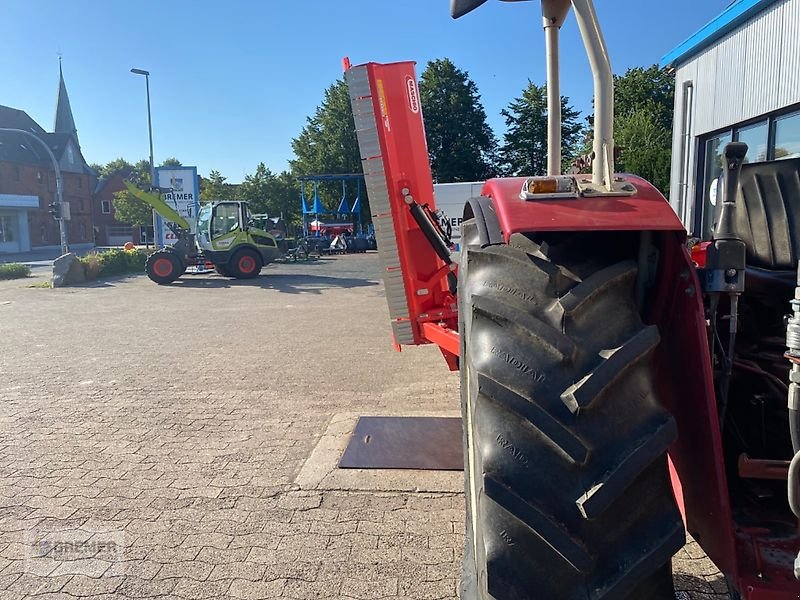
768 214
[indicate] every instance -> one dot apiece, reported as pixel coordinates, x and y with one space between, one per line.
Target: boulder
67 270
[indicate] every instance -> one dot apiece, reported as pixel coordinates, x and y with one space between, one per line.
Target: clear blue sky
232 81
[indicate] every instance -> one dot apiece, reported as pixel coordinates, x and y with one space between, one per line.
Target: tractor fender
645 209
482 210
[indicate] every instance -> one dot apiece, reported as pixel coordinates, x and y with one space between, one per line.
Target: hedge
14 271
113 262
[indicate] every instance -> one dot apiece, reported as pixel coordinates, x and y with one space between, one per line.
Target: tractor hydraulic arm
157 202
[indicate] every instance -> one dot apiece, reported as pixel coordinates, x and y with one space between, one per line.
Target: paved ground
179 442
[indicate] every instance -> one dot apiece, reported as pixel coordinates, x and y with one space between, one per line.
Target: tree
461 144
214 187
645 145
524 151
643 112
257 189
642 94
651 88
127 207
327 144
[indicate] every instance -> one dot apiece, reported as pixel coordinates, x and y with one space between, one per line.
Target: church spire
65 123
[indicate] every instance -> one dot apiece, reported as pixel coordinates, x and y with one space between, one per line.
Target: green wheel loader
223 234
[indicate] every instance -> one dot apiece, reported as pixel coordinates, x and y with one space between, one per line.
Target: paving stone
256 590
194 466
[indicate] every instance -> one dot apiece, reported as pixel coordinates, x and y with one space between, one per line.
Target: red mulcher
613 391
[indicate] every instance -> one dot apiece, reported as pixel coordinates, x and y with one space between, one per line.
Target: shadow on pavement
695 587
286 283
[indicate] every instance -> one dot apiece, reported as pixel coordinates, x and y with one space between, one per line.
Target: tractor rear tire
222 270
245 264
567 487
164 266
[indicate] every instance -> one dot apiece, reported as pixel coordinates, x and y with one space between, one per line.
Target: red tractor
615 394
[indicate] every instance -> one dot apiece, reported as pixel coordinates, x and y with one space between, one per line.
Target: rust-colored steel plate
426 443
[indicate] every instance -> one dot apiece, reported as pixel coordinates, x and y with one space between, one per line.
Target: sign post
183 196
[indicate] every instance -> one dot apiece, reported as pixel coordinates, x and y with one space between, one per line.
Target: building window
757 139
775 137
83 232
39 177
43 233
16 173
105 207
712 184
80 182
7 233
787 136
70 154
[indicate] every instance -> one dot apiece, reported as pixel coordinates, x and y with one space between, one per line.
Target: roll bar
554 13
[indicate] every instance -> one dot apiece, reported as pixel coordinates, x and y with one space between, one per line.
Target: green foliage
643 112
41 284
524 151
257 189
270 193
645 144
113 262
214 188
14 271
327 144
651 88
142 167
461 144
643 109
129 209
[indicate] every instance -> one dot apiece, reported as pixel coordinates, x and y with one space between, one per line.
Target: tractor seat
768 214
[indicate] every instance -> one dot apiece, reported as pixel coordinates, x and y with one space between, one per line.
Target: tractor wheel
567 488
245 264
222 270
164 267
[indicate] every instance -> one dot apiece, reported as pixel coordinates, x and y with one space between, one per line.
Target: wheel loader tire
222 270
567 488
164 267
245 264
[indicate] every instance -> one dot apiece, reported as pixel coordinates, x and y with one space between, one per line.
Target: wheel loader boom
158 204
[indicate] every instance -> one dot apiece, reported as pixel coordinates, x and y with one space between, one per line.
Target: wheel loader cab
219 223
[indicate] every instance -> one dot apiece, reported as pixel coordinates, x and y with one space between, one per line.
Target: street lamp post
62 226
150 132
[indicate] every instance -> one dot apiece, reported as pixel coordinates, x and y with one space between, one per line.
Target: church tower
65 123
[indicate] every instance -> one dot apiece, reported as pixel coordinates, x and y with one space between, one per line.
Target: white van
451 198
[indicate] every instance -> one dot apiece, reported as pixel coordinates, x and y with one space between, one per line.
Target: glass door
711 186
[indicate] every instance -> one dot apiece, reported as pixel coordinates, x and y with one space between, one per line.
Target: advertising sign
183 196
450 198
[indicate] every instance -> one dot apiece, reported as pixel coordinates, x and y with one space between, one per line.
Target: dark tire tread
569 438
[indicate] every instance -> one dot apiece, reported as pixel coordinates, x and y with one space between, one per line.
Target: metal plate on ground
427 443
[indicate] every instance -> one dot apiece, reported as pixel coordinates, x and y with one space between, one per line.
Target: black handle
733 154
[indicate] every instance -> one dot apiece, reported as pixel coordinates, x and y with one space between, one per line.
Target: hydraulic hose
793 480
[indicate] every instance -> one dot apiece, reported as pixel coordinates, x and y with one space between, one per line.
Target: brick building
28 182
109 231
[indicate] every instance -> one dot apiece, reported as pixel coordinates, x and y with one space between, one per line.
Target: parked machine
224 234
614 393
